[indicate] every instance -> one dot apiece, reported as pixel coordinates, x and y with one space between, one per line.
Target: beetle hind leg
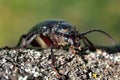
21 40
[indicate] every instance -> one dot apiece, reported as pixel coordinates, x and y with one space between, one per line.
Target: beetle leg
52 56
88 43
53 64
85 43
20 41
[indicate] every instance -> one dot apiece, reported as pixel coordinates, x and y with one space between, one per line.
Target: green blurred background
18 16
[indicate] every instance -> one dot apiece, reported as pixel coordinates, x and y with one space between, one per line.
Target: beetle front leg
88 43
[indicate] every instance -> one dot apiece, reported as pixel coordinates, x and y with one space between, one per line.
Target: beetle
57 34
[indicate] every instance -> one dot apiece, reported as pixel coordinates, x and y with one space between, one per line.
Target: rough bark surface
32 64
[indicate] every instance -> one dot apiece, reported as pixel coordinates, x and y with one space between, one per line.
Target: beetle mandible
57 34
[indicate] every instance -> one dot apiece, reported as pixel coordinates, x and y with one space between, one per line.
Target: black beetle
57 34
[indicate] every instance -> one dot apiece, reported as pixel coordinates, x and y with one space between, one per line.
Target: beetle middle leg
52 56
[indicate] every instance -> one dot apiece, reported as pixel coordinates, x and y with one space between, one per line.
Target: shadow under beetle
57 34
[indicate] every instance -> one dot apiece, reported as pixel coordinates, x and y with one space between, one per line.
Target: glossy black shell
47 27
50 25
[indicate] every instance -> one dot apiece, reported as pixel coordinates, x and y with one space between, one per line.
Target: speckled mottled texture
31 64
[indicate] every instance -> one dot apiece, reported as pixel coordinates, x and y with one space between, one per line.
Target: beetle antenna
95 30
